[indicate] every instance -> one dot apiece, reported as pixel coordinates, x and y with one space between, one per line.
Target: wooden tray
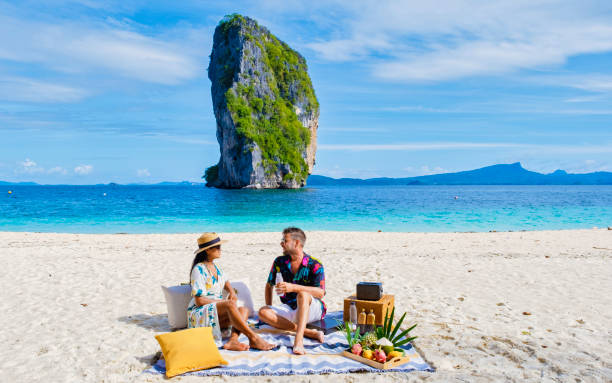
397 361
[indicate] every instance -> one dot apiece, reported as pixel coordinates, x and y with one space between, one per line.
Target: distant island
502 174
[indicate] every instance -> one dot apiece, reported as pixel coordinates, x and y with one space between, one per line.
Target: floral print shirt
310 273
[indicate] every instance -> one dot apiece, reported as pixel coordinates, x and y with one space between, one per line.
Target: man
301 291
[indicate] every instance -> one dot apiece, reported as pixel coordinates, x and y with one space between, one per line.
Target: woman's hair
200 257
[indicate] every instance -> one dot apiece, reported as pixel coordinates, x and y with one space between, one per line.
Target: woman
208 308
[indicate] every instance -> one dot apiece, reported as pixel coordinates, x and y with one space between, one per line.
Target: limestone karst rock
265 106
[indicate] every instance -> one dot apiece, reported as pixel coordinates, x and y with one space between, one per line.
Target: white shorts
285 311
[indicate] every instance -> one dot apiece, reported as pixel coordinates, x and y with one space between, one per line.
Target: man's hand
284 287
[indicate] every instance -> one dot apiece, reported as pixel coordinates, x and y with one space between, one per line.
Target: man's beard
287 253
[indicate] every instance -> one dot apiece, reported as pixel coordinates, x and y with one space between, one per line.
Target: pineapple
369 339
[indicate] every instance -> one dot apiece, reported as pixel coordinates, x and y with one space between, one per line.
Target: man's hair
296 233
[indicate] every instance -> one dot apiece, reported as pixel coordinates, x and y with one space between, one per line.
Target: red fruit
356 349
380 356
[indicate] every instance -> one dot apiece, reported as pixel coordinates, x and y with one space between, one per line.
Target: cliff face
266 109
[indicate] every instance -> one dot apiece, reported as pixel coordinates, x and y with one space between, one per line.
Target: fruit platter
380 348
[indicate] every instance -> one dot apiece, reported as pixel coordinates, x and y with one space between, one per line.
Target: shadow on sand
156 322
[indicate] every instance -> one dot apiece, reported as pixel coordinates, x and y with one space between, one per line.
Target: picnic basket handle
396 359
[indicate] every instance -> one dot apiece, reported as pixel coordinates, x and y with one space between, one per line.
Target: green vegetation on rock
269 122
211 174
273 126
290 68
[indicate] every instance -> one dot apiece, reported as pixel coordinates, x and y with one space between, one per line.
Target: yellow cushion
189 350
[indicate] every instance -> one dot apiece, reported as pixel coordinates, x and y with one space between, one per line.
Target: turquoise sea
188 209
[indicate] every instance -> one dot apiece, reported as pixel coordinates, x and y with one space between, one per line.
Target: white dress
204 284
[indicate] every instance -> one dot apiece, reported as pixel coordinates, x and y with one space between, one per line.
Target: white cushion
178 298
244 294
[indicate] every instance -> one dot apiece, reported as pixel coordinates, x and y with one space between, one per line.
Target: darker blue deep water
181 209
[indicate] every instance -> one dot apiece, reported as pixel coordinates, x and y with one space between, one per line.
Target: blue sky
116 91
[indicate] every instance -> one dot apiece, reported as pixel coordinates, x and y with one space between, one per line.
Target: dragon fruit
356 349
380 356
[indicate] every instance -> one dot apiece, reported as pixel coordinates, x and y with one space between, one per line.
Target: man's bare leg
304 300
268 316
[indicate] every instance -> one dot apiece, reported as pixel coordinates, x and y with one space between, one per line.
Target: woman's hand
202 301
231 292
232 297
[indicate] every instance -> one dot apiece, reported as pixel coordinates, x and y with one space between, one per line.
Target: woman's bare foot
299 349
234 345
261 344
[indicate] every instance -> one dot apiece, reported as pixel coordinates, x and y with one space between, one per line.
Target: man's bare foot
319 336
261 344
298 349
234 345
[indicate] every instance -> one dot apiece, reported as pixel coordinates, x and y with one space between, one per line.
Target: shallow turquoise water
179 209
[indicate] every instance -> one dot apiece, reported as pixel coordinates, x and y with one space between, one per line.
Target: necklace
212 272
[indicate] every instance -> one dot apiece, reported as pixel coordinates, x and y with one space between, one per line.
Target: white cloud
356 129
426 170
586 111
417 146
134 55
28 163
589 82
57 170
190 140
143 173
417 108
343 172
83 169
25 89
583 99
97 47
589 166
350 49
28 166
445 40
426 146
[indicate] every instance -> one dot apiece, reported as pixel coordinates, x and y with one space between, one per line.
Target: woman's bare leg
233 343
238 322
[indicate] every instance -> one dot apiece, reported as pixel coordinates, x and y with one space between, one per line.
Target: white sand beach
506 306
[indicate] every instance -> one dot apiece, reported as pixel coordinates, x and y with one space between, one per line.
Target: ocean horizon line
498 174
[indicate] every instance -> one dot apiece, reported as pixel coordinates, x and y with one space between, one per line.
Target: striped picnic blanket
321 358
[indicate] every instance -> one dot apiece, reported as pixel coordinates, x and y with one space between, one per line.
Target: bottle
361 321
279 279
370 321
353 315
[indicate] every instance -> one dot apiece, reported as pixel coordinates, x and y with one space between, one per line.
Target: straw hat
208 240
